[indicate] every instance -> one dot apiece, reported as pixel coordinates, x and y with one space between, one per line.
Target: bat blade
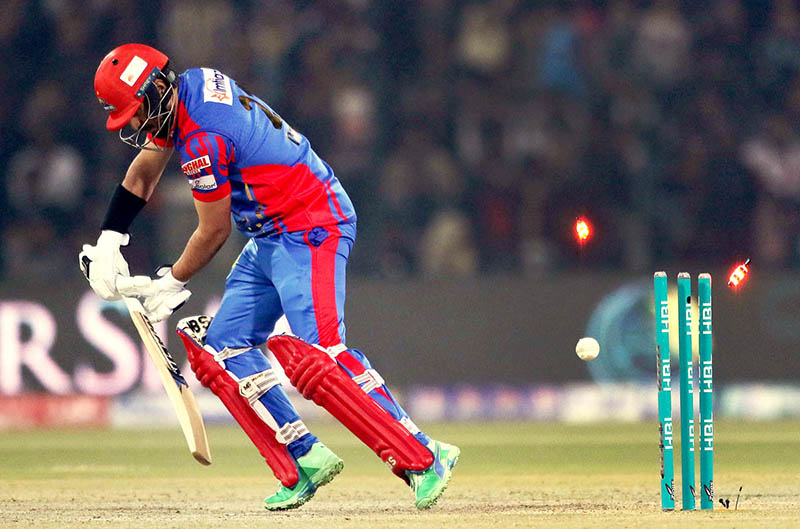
182 398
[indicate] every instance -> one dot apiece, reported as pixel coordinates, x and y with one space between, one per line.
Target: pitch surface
510 475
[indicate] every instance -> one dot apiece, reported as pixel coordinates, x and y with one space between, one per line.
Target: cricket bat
178 391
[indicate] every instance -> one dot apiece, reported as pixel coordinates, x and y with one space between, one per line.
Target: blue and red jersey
232 142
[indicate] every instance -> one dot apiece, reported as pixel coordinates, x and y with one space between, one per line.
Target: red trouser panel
214 377
319 378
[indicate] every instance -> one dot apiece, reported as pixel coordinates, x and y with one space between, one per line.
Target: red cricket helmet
122 79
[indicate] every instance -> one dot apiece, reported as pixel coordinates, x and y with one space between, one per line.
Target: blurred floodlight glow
583 230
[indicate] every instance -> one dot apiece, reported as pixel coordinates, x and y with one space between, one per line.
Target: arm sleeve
205 157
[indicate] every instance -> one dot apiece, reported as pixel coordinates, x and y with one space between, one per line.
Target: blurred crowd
469 134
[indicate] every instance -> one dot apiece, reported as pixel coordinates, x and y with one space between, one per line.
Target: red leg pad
214 377
318 377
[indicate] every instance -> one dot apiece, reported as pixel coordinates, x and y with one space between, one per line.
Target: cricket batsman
241 158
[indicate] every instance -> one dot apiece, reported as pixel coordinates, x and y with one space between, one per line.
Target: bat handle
133 305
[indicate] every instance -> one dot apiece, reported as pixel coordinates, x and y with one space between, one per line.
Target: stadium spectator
663 87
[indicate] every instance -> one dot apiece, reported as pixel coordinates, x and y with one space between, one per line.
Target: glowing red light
583 230
739 273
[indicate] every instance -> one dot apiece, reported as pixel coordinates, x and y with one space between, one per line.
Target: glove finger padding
161 306
160 297
135 286
102 263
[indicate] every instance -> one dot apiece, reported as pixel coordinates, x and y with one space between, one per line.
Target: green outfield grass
510 475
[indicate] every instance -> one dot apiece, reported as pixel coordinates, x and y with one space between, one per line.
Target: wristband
122 210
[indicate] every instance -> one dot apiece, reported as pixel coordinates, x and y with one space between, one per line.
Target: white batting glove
103 263
161 297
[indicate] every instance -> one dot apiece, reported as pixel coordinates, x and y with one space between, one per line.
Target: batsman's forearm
199 251
138 187
145 171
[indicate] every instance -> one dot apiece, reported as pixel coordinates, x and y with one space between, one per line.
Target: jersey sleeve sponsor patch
192 167
205 157
203 183
216 87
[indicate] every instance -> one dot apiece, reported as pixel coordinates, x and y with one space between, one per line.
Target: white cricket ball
587 349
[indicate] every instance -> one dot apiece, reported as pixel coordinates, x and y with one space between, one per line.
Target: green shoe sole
430 500
294 501
326 475
317 468
288 505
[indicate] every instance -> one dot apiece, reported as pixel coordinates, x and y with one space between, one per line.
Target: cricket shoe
291 497
430 483
320 464
317 468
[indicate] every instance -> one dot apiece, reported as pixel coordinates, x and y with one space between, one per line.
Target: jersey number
248 102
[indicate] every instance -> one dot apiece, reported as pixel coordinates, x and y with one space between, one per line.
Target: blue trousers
302 275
